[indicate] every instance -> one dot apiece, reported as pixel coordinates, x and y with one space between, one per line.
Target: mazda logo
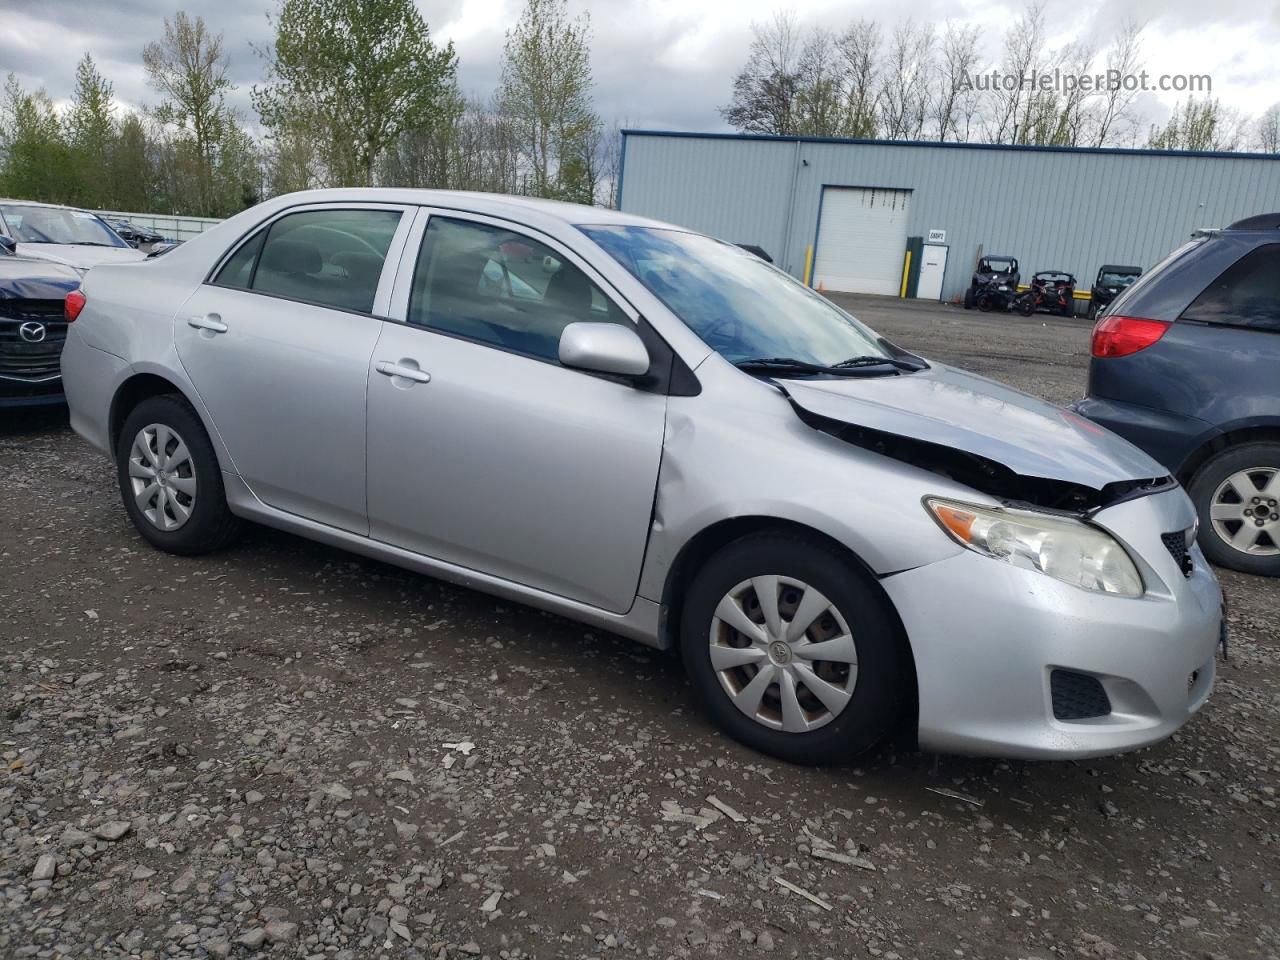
33 332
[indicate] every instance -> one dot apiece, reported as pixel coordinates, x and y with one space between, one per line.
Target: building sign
937 236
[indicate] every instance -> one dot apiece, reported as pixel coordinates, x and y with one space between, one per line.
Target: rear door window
330 257
1246 294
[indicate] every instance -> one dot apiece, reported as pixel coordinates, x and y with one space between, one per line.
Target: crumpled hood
80 255
26 279
952 408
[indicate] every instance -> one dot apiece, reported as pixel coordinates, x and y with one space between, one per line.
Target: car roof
496 204
1263 221
1119 268
37 203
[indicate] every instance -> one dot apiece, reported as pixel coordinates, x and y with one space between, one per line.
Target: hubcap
1245 511
162 477
783 653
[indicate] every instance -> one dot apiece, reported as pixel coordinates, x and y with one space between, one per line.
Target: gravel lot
287 750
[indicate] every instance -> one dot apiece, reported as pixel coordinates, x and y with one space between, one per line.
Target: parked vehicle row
664 436
996 281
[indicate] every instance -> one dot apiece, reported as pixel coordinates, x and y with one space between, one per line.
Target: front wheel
170 480
791 650
1237 494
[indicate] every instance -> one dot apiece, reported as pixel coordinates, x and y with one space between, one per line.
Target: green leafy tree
1198 125
545 95
355 75
91 134
37 162
189 69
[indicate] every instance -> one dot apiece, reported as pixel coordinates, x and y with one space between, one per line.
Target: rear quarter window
1135 290
1246 294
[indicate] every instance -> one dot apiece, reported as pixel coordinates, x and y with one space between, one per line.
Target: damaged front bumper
1013 663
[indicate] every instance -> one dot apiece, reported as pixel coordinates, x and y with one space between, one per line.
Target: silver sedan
661 435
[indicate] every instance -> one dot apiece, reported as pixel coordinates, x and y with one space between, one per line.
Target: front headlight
1063 548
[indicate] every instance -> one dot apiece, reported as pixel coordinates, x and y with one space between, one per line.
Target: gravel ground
286 750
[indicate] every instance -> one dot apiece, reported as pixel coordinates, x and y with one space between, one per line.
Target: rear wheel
1237 494
791 650
170 480
968 298
1093 312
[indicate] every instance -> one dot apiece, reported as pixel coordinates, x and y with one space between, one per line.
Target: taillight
73 305
1121 336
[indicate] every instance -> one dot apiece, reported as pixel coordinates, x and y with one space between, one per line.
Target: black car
33 328
133 234
993 268
1186 364
1113 279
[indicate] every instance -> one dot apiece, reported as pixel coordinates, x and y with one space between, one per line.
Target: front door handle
211 322
414 373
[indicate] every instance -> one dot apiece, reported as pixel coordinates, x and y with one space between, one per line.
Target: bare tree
905 91
859 51
764 91
1124 60
956 102
1267 130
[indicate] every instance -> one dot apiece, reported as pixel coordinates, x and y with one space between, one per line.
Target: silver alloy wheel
783 653
1245 511
162 477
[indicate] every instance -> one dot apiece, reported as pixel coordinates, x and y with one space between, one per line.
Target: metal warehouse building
843 214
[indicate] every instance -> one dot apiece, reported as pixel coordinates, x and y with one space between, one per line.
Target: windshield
32 224
739 306
1111 279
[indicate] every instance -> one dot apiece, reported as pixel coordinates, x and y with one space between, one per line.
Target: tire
968 298
1093 312
983 303
187 513
875 679
1219 482
1026 306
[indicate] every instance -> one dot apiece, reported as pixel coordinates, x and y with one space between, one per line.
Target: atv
1111 282
1054 291
993 267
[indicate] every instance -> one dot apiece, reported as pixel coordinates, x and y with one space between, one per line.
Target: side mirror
8 244
604 348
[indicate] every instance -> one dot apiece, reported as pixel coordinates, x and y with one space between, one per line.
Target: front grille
19 356
1176 544
1077 696
44 311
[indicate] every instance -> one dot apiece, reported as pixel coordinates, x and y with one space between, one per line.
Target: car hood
24 279
81 256
949 407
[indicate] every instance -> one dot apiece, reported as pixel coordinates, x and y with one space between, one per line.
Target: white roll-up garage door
862 238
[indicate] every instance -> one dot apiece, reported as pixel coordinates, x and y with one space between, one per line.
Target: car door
277 343
483 450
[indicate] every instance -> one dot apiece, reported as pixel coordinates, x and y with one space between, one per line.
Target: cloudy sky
658 63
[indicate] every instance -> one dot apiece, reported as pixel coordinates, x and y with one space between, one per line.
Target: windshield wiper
871 361
792 365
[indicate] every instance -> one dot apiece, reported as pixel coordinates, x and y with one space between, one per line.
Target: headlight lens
1063 548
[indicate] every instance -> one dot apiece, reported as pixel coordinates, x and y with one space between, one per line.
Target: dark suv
1186 364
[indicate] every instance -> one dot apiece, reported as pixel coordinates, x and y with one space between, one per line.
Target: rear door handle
211 322
389 369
